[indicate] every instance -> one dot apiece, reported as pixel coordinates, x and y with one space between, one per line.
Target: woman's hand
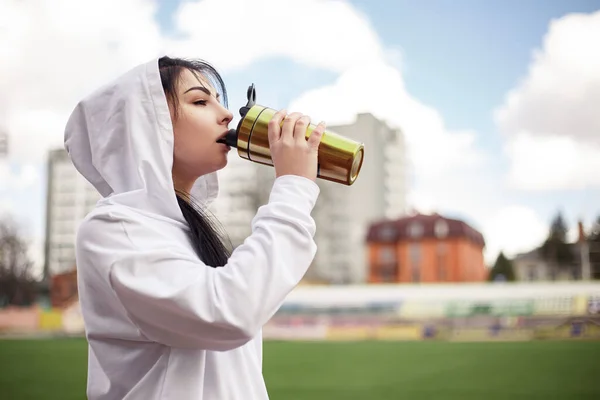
291 153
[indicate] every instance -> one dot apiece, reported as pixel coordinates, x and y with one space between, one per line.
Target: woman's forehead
190 79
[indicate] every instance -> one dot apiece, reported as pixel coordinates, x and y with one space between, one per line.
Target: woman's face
201 120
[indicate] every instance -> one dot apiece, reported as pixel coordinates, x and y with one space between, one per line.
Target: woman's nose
228 116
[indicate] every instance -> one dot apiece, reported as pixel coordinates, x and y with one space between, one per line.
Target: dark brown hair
206 235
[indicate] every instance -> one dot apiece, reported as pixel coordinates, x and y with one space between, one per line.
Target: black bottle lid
232 136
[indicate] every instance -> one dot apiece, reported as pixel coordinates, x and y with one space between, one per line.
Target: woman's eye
200 102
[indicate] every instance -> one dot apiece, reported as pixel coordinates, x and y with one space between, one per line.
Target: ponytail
204 234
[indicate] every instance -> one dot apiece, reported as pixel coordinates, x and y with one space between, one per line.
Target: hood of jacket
120 138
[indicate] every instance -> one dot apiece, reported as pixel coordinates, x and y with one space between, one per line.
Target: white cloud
513 229
54 53
7 207
19 178
556 107
553 162
329 34
44 127
379 89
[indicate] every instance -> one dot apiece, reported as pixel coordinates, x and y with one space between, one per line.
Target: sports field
56 369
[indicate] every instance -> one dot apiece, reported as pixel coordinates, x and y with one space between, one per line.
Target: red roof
419 226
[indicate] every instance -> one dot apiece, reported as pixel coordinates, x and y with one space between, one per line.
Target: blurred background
464 263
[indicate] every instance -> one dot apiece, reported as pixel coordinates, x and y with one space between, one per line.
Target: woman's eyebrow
202 89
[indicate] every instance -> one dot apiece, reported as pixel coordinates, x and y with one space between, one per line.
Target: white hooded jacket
160 323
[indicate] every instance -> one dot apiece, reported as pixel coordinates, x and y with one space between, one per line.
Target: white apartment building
68 200
342 213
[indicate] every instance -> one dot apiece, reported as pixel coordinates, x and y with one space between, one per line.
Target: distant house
531 266
425 248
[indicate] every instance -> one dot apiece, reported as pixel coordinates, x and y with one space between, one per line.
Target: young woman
169 311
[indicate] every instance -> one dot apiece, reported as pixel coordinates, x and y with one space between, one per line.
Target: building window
415 230
415 261
441 228
387 255
387 233
531 273
388 272
387 264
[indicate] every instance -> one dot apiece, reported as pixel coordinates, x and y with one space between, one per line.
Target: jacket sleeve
178 301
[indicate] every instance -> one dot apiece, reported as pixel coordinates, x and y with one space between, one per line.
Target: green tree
503 270
555 250
17 285
594 248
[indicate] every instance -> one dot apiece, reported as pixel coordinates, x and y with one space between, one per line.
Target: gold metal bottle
340 158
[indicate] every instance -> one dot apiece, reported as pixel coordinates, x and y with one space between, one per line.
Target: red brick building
425 248
63 289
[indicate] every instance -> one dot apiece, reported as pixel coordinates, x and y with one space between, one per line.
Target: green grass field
56 369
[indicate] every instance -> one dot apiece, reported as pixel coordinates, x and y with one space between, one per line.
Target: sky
497 100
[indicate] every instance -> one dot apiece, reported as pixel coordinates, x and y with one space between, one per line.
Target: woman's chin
214 167
219 165
224 163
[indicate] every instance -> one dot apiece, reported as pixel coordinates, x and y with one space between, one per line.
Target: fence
465 312
40 320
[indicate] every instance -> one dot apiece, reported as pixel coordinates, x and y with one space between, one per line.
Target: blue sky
464 56
458 59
